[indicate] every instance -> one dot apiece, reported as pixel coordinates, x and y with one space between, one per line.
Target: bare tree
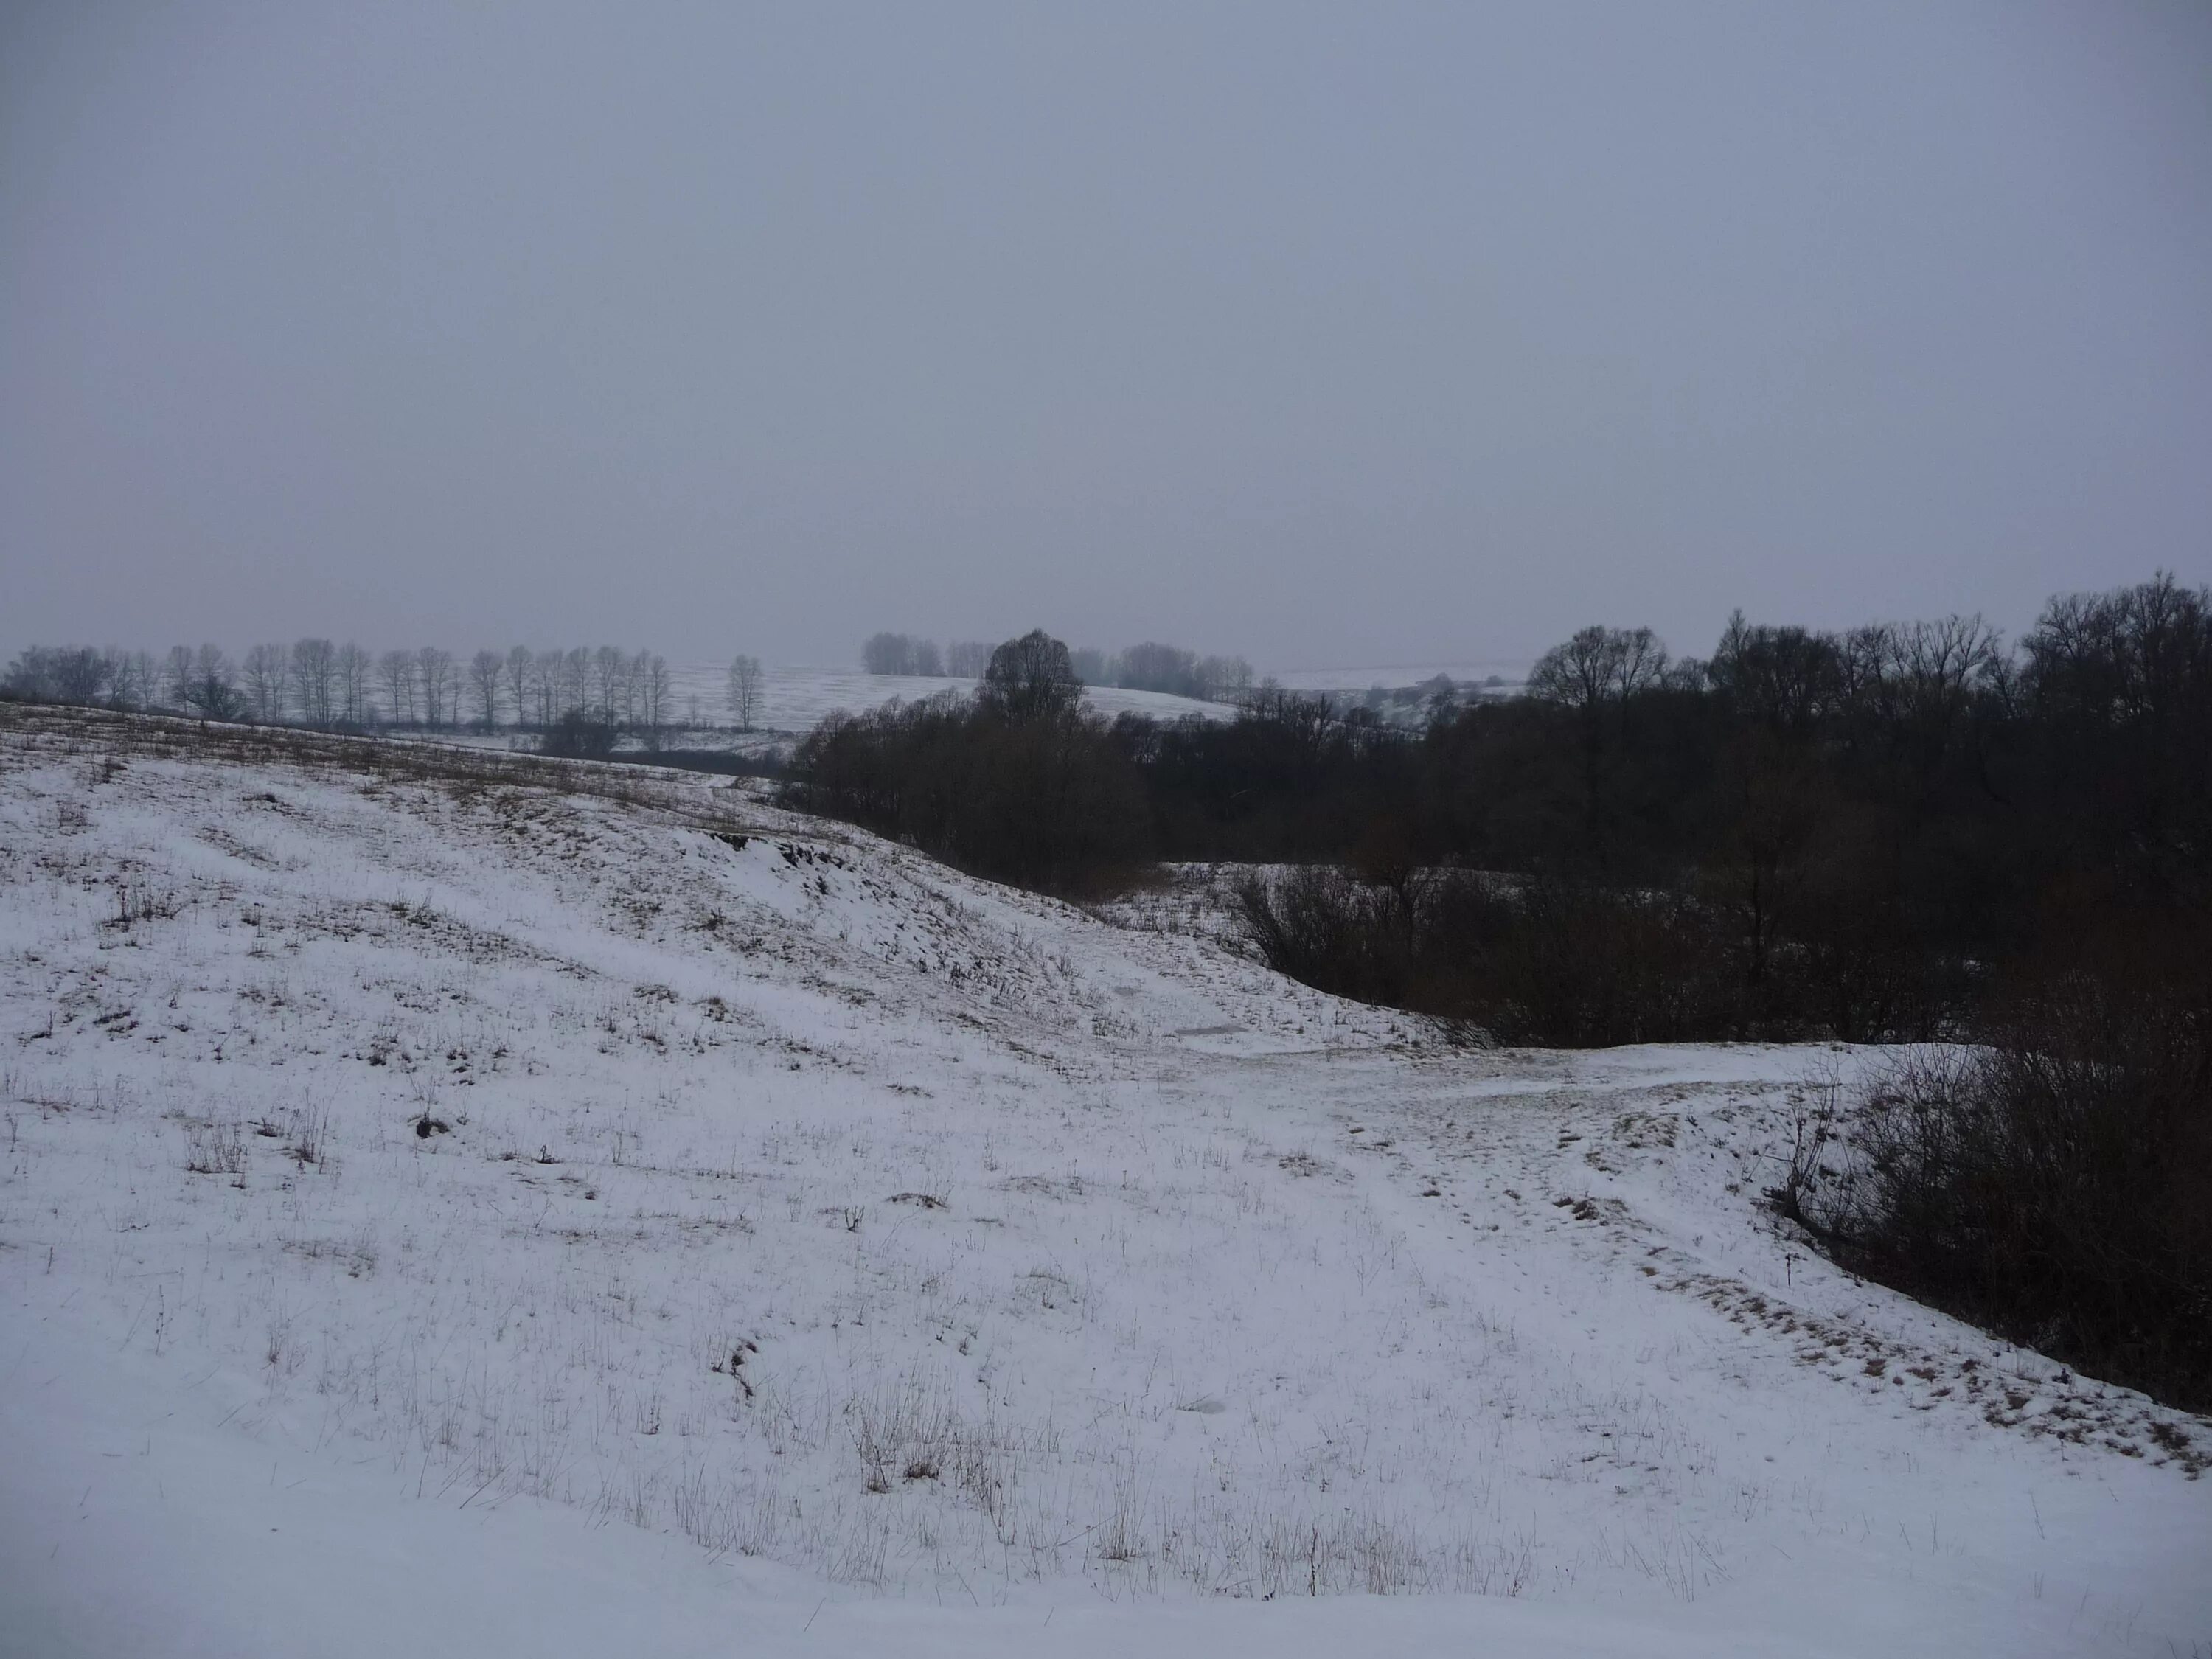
80 674
1152 667
575 678
966 659
548 668
1225 679
653 694
1575 674
888 654
75 674
314 677
1600 666
267 667
521 681
29 675
352 667
435 667
1032 678
136 681
926 660
396 670
1865 670
744 690
487 671
607 667
1940 663
177 677
212 691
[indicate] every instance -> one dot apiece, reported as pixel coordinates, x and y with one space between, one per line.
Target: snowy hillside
444 1211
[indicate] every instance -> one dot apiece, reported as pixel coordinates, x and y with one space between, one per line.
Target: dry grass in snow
748 1180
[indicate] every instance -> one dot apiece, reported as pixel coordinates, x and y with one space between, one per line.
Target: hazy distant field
1510 672
796 698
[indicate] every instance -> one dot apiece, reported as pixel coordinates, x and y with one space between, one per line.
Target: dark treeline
2054 1179
1806 834
1016 782
319 683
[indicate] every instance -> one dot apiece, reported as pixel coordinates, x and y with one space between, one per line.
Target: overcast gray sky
1353 333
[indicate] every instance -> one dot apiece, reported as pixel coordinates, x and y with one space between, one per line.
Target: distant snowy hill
795 699
1499 675
452 1204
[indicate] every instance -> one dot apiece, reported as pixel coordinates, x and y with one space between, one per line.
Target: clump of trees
966 659
742 695
920 659
903 653
1537 960
203 682
1147 667
2053 1181
577 735
1154 667
1018 782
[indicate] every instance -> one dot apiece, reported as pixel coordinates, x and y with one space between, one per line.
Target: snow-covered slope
447 1214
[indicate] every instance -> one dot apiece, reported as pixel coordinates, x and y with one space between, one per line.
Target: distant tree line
1147 667
1807 833
317 683
903 653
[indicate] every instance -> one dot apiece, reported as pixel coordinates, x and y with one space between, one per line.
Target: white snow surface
824 1252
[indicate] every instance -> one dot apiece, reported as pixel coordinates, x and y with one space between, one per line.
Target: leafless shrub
2055 1184
309 1133
135 902
215 1148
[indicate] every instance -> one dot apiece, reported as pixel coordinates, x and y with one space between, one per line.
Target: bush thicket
1025 791
2055 1182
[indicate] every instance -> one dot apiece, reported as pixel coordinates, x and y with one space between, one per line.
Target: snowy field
1509 673
793 700
455 1215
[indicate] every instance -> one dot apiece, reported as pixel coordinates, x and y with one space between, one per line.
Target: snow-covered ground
793 700
445 1215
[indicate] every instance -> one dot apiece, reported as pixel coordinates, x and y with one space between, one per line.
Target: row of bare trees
1152 667
320 682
